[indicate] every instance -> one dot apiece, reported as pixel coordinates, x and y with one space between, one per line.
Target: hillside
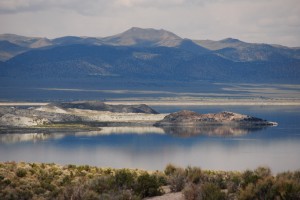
147 54
237 50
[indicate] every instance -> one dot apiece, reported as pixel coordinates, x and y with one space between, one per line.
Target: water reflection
218 130
32 137
179 131
153 148
154 151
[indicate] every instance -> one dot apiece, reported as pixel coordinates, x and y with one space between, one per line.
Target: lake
152 148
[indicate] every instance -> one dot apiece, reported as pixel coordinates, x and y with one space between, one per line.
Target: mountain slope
148 54
144 37
139 37
28 42
9 50
159 63
237 50
12 45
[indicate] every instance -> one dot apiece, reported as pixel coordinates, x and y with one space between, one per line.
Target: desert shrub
90 195
84 167
193 174
219 180
71 167
74 192
263 189
211 191
66 180
39 190
24 193
296 176
177 180
48 186
124 178
108 171
263 172
232 182
147 186
6 182
170 169
119 195
192 192
162 179
21 172
287 189
102 184
249 177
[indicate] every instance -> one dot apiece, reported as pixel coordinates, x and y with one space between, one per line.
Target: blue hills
147 54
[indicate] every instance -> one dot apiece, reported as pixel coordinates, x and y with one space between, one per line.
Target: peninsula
97 116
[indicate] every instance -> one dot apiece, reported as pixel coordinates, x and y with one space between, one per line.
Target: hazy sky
269 21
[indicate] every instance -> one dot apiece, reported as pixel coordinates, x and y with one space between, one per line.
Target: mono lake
152 148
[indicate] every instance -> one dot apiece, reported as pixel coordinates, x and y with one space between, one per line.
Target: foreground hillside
52 181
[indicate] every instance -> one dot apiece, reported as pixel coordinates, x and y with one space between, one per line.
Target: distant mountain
12 45
144 37
139 37
237 50
147 54
68 40
9 50
28 42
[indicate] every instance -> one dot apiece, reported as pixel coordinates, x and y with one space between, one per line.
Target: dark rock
185 117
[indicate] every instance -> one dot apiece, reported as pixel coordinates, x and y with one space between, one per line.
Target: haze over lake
152 148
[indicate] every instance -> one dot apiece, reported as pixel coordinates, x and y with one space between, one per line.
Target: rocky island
188 123
190 118
97 116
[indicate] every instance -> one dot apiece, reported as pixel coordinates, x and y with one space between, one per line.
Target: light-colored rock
21 121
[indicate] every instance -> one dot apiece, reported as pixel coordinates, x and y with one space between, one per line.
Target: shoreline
206 102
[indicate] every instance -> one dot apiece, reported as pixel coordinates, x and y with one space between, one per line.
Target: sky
257 21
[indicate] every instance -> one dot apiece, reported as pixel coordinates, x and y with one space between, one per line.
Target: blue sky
268 21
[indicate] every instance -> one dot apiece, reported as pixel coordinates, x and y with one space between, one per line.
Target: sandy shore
183 102
210 103
22 104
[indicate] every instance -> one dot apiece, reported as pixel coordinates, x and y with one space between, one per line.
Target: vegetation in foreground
51 181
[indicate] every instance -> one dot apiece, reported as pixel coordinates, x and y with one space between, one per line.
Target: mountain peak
230 40
144 37
147 32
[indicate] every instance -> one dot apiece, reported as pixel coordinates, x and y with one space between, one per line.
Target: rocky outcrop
18 117
190 118
22 121
89 113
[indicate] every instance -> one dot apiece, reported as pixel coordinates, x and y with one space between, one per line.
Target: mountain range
147 54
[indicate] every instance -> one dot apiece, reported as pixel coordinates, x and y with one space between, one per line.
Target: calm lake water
152 149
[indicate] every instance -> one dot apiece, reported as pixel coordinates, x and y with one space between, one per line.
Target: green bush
193 174
211 191
192 192
102 184
147 186
21 172
263 172
50 181
177 180
249 177
170 169
124 178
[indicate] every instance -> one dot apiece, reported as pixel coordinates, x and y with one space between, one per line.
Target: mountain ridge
150 54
